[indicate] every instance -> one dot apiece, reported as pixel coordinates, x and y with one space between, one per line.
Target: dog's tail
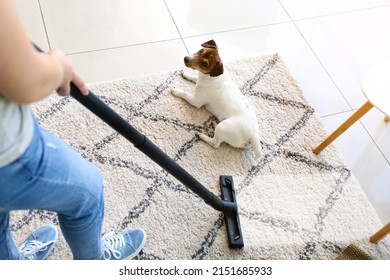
255 141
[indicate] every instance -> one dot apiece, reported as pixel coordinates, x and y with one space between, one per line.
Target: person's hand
69 76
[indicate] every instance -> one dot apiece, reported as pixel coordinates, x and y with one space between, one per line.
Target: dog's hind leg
256 146
222 133
213 142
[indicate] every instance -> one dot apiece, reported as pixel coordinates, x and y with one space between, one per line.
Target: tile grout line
363 127
340 13
373 140
181 38
44 25
122 46
316 56
339 90
177 28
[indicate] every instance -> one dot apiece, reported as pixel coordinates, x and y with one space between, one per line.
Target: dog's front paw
176 91
189 77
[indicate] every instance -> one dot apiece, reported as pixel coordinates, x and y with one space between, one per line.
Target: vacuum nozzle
232 219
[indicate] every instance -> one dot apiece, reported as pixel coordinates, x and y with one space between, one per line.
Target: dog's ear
210 44
217 70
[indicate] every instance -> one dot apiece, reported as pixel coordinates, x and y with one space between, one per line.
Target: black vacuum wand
228 203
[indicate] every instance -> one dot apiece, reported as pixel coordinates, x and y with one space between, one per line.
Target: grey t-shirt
16 130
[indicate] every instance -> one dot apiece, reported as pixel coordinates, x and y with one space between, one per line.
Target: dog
216 91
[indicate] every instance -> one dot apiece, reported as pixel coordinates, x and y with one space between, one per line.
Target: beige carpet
292 204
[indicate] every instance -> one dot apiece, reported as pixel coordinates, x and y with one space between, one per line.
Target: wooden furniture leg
350 121
385 230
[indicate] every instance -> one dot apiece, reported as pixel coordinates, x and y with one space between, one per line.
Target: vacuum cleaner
228 203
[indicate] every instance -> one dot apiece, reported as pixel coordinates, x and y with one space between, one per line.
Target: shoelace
111 242
29 250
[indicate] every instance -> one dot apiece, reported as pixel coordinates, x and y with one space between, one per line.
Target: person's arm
26 75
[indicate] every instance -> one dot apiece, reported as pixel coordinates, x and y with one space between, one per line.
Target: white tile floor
327 44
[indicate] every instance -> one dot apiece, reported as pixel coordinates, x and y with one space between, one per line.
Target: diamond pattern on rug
292 204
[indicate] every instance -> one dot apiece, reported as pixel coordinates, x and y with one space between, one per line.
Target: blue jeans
52 176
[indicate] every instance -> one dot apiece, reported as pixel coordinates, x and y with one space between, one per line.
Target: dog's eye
204 63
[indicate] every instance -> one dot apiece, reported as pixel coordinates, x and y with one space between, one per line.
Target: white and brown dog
216 91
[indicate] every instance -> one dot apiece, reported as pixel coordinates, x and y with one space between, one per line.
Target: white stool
376 88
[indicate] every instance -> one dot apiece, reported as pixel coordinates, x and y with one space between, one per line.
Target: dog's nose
187 59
